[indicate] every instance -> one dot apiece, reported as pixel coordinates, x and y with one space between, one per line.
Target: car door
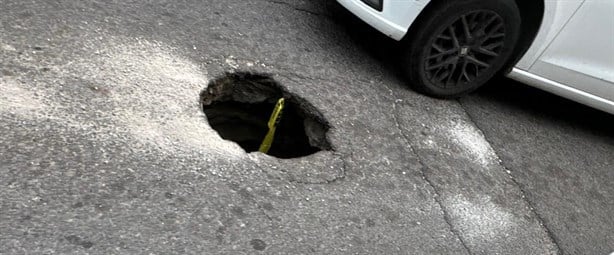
581 56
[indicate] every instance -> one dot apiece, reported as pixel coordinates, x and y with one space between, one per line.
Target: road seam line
523 193
423 168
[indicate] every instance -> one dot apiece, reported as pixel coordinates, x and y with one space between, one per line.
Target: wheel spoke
473 22
454 38
463 72
451 74
443 76
466 27
438 48
494 30
443 53
499 35
438 74
445 37
487 52
492 46
484 25
477 62
477 72
442 64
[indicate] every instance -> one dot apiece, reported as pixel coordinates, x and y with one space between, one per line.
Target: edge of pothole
322 167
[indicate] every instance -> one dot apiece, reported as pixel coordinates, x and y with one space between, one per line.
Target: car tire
457 46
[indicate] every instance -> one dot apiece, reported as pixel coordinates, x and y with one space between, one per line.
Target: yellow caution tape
273 122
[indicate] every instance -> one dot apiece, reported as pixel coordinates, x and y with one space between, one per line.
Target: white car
452 47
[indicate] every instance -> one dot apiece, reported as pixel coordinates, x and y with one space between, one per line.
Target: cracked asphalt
104 150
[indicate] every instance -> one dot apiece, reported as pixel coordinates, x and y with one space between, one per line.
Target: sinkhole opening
239 107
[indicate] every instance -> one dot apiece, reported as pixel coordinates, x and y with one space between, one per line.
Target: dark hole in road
239 105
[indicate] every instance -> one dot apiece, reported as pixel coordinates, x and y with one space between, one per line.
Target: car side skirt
562 90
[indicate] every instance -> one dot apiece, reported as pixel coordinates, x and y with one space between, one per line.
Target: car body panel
582 54
556 14
571 56
394 20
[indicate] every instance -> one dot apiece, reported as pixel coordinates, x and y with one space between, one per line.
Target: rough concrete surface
104 150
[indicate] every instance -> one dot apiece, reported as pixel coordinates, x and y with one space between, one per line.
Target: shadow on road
384 52
538 103
382 49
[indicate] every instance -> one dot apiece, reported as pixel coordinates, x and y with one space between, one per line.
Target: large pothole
239 106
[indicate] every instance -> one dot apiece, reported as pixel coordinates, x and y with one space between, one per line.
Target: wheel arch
531 14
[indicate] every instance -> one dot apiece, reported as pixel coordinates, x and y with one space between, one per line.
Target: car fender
395 18
556 14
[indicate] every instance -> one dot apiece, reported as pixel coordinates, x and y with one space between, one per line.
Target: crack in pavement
275 222
344 167
437 198
324 182
259 206
540 219
298 8
423 168
335 179
250 198
437 195
289 74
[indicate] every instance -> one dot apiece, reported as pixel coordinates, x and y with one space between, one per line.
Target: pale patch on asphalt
461 138
6 47
148 91
16 99
472 141
234 63
481 220
155 92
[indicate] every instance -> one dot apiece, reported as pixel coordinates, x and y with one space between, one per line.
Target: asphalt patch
239 105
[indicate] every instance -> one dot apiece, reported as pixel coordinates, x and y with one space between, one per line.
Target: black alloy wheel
460 45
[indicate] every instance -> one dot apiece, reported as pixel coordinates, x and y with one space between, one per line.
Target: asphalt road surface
104 148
